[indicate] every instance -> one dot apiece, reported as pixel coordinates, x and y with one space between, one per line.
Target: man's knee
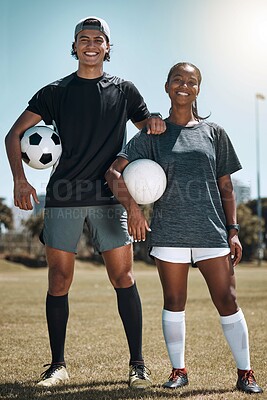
59 280
119 263
61 268
123 279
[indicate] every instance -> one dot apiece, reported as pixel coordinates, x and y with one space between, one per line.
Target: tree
34 226
248 234
6 216
253 205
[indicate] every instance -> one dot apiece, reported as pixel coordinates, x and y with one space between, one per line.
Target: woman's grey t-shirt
190 212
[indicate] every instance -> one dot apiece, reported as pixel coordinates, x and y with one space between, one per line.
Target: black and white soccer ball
40 147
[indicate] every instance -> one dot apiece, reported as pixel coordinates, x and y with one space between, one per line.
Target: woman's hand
235 247
137 224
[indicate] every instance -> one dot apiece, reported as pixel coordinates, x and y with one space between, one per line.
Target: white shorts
186 255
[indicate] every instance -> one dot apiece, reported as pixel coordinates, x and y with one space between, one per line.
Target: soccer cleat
56 374
247 383
138 377
177 379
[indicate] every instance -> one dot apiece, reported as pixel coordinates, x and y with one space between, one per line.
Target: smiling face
183 84
91 47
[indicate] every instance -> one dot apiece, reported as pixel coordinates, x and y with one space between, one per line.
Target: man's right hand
22 195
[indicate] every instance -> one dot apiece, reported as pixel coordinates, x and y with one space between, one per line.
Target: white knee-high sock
236 333
173 326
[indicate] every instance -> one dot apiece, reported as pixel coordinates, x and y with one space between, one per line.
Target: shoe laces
49 372
140 371
249 377
176 373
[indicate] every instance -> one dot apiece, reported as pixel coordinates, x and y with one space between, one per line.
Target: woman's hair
199 77
74 53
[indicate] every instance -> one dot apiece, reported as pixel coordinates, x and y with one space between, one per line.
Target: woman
194 220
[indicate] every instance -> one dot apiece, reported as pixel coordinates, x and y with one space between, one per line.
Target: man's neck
88 72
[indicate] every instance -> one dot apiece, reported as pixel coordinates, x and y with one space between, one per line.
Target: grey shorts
107 225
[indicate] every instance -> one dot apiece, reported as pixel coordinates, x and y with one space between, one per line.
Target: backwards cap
86 24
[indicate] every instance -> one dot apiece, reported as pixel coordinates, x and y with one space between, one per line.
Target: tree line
246 215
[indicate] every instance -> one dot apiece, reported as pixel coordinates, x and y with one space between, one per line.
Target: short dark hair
92 22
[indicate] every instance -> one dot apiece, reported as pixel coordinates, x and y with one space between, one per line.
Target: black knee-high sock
130 310
57 313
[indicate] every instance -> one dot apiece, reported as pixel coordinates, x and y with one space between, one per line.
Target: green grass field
96 350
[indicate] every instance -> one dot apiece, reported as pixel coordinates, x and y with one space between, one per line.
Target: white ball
40 147
145 179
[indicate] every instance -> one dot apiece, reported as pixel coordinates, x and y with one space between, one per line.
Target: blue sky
226 39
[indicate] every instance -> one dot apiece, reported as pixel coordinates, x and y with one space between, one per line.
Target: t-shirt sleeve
226 157
136 107
140 146
42 104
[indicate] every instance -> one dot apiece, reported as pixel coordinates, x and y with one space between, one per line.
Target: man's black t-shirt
90 116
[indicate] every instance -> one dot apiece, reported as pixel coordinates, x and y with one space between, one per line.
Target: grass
96 350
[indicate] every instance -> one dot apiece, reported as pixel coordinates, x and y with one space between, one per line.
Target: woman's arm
137 224
229 205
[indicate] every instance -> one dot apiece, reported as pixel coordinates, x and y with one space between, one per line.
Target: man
89 109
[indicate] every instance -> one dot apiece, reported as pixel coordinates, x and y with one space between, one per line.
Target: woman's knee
174 301
226 303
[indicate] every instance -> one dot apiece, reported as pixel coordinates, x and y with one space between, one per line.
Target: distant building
19 216
38 208
242 192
